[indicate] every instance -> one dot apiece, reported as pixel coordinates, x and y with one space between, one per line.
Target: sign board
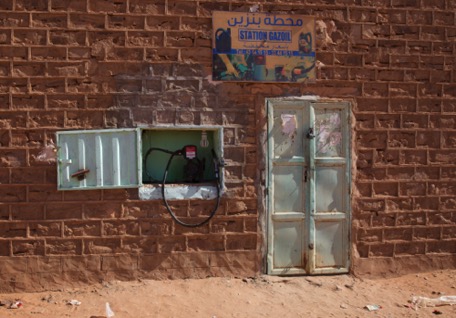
263 47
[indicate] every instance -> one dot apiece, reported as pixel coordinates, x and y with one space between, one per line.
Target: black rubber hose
211 215
147 156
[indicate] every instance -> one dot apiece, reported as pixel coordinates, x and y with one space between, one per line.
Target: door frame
310 99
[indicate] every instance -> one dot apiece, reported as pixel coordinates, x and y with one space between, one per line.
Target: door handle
310 133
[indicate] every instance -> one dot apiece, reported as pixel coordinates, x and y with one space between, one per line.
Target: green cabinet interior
172 140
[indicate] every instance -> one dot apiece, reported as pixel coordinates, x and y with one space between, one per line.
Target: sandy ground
263 296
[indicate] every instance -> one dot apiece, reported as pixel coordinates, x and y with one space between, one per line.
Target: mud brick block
14 19
412 248
162 23
388 121
397 234
433 33
419 47
27 176
102 246
43 193
372 104
440 218
432 62
442 156
43 119
391 75
430 139
446 47
27 212
405 32
45 85
65 5
66 37
56 69
449 233
449 139
372 140
155 227
4 250
449 106
412 121
447 247
196 24
440 76
126 54
399 173
129 21
5 70
365 121
84 119
386 189
138 245
349 59
31 5
176 7
152 8
10 230
433 105
81 228
369 174
426 203
116 228
63 247
448 172
11 193
48 53
401 139
87 21
15 86
45 229
171 244
442 188
80 85
168 54
107 6
201 55
414 157
386 157
13 53
405 61
421 233
201 208
241 242
219 225
416 218
399 204
375 89
369 235
28 247
206 243
412 189
100 101
79 53
63 211
7 5
442 121
449 90
430 173
360 15
65 101
402 90
13 157
5 37
180 39
101 211
381 219
49 20
403 105
145 38
27 69
419 17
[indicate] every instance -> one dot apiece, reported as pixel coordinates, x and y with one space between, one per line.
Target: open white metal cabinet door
308 187
98 159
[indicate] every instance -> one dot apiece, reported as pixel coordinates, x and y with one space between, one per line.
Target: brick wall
89 64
